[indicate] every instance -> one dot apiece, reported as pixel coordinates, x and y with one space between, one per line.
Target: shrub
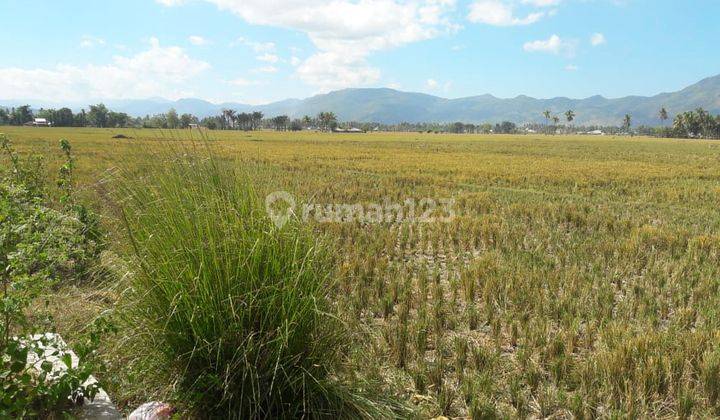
237 306
39 247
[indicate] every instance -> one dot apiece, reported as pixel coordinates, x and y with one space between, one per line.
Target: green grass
579 278
238 308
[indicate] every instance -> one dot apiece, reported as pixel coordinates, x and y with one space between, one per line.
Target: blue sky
257 51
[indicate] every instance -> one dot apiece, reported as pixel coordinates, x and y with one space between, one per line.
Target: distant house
39 122
349 130
193 126
596 133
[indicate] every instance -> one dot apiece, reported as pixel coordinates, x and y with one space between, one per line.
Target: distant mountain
392 106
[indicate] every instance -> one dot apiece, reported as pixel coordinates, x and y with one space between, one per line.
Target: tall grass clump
238 308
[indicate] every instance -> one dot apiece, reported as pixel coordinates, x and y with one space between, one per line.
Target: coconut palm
570 116
663 115
627 122
307 121
228 118
327 120
547 114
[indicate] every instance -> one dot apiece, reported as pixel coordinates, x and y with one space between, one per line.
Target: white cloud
294 61
268 58
241 82
597 39
88 41
346 32
499 13
433 84
266 69
171 2
542 3
572 67
329 70
258 47
197 40
552 45
157 71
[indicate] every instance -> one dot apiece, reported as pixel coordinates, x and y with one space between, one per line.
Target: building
349 130
39 122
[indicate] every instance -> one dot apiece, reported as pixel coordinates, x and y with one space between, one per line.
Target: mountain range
389 106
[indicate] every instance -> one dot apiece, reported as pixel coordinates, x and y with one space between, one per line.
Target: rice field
577 278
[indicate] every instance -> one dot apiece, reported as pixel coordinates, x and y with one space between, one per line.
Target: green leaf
67 360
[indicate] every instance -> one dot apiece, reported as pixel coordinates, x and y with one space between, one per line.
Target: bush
238 307
39 247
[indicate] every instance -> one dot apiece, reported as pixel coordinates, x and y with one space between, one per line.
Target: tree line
233 120
698 123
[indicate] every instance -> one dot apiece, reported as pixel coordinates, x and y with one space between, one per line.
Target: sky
260 51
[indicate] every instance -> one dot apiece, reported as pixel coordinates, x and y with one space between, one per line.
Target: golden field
579 278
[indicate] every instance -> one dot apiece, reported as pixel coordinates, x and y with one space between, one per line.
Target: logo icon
280 206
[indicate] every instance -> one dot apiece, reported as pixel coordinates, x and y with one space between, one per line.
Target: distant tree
48 114
4 116
244 121
327 120
281 122
173 121
556 121
307 121
663 115
548 115
63 118
156 121
570 116
187 119
296 125
627 122
457 128
212 123
80 119
21 115
256 119
485 128
506 127
118 119
228 119
97 116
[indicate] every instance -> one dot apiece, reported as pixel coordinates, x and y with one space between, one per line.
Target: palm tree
627 122
556 120
256 118
679 125
570 116
663 115
547 114
228 118
307 121
327 120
